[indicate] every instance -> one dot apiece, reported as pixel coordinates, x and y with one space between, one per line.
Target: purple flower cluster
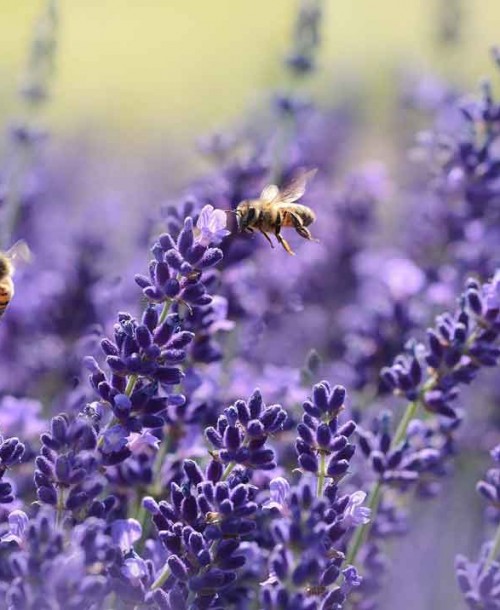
458 346
11 453
242 431
479 581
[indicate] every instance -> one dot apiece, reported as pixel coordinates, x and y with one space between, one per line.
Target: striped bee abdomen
6 293
296 211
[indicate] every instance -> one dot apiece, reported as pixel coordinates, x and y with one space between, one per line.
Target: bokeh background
155 70
137 84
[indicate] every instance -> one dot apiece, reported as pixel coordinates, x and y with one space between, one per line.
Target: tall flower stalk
25 134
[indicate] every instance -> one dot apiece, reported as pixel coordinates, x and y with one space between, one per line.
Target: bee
8 261
277 208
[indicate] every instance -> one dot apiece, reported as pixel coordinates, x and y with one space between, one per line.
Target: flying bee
277 208
8 261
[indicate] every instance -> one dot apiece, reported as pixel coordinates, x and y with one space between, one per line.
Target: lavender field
256 370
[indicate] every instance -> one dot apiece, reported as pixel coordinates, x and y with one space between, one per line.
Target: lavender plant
479 581
206 462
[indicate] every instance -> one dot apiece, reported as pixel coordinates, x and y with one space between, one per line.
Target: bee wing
19 253
297 187
270 193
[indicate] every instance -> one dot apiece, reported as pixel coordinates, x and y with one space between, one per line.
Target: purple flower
142 442
134 568
114 439
211 225
479 581
125 532
355 513
279 491
21 416
242 431
351 579
18 522
491 292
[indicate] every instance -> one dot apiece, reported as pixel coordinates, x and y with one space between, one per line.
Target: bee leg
249 229
285 244
299 227
281 239
267 237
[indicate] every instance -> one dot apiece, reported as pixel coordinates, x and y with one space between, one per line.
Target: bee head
246 215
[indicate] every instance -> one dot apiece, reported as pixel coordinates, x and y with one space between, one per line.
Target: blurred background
156 70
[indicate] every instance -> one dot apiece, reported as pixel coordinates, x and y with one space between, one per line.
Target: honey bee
277 208
8 261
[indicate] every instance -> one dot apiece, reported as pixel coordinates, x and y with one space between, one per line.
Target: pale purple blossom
18 522
21 416
492 292
142 442
211 226
125 532
114 439
279 489
495 453
352 579
220 322
134 568
355 513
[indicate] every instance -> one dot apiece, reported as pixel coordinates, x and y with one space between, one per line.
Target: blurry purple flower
219 314
351 579
403 277
134 568
491 292
18 522
211 226
114 439
456 178
479 581
495 453
142 442
21 416
279 491
125 532
355 514
398 273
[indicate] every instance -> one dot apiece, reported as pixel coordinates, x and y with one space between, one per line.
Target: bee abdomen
3 307
306 215
5 298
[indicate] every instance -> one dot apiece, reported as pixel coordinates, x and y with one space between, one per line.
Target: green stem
375 496
495 549
155 488
132 380
408 415
164 311
60 506
38 74
362 532
228 470
162 578
321 475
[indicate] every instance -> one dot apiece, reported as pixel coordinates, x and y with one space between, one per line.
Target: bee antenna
230 211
